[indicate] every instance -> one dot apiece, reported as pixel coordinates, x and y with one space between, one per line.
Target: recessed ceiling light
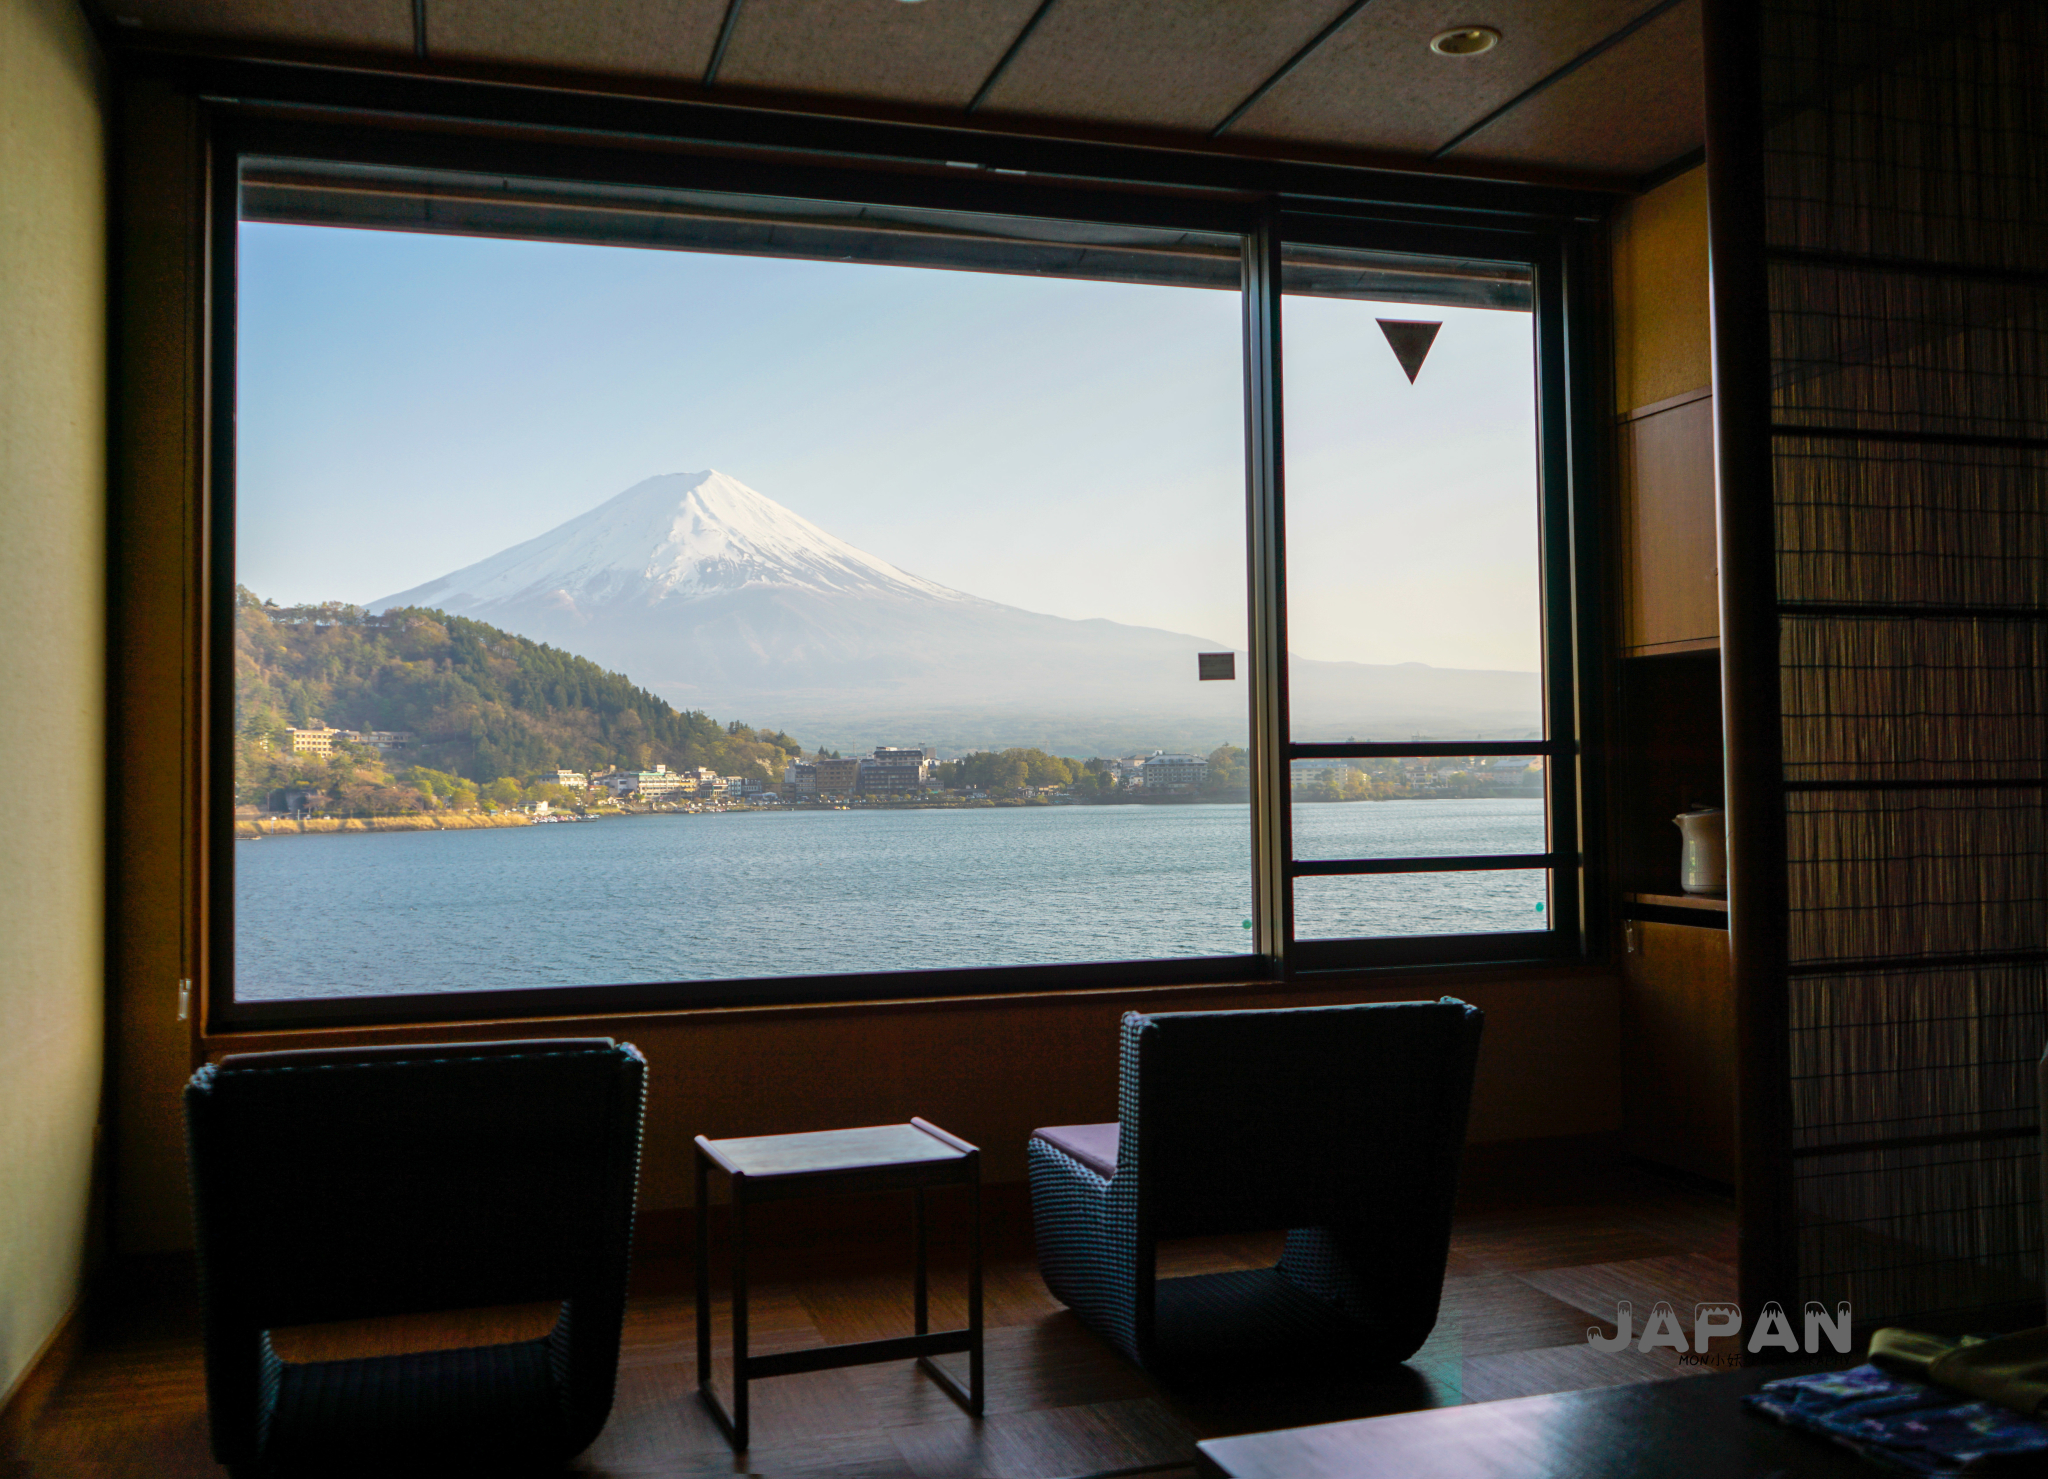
1465 41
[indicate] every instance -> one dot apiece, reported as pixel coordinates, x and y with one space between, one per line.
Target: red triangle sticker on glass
1410 340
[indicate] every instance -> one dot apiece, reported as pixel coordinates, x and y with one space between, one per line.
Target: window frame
1552 231
1567 642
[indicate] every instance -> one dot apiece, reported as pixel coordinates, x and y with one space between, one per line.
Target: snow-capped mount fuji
718 598
680 536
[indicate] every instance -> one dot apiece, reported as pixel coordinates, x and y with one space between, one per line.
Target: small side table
913 1157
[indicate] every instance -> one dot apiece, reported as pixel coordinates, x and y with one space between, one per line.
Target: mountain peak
716 597
673 536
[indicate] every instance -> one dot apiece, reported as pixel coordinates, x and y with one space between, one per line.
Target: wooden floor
1524 1284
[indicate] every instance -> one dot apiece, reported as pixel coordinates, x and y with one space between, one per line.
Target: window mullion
1272 842
1456 863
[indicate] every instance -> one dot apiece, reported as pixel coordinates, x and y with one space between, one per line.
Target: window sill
1434 980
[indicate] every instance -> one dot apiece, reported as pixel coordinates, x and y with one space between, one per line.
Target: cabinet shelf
1681 901
1674 649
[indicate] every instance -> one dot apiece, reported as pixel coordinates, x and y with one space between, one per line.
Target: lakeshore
249 829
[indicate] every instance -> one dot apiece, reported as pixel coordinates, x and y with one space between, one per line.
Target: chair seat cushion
1094 1146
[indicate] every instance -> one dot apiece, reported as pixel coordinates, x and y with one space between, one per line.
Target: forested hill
484 704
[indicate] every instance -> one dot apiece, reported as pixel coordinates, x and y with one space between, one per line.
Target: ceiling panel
1630 110
1377 85
671 38
1181 66
366 25
937 53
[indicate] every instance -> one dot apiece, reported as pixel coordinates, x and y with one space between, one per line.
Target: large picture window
652 596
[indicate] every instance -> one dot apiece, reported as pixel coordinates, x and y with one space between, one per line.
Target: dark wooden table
912 1157
1695 1426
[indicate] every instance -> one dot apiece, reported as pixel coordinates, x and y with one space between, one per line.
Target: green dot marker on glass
1539 908
1247 924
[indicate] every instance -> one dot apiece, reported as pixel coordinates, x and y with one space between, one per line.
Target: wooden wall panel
155 897
1662 332
992 1070
1678 1046
1670 576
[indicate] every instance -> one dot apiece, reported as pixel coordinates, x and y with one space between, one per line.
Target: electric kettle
1703 867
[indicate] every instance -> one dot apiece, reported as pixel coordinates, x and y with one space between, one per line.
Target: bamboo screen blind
1907 243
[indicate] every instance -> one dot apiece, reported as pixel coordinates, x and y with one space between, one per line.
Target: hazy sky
409 404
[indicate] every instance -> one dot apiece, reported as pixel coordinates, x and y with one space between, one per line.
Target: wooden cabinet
1678 1068
1670 583
1678 1045
1678 1029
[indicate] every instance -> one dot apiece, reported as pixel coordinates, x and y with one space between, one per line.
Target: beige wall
1661 332
52 658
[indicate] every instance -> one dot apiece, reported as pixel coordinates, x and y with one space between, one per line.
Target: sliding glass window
1415 604
644 596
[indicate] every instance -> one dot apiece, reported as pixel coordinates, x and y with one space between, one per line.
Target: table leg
703 1272
739 1313
734 1423
923 1307
969 1396
974 1294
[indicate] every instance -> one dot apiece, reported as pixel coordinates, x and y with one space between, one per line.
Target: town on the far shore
898 775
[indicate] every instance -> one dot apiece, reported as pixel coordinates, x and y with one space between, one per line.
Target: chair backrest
1299 1117
351 1184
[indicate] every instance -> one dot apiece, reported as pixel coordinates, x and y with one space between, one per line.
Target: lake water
739 894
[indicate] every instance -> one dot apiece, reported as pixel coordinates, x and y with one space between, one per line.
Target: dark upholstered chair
362 1183
1342 1125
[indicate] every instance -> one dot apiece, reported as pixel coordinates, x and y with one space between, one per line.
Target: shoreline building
315 740
318 739
890 770
837 777
893 770
382 739
1172 774
647 784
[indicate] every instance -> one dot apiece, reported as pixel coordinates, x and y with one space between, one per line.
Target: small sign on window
1217 665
